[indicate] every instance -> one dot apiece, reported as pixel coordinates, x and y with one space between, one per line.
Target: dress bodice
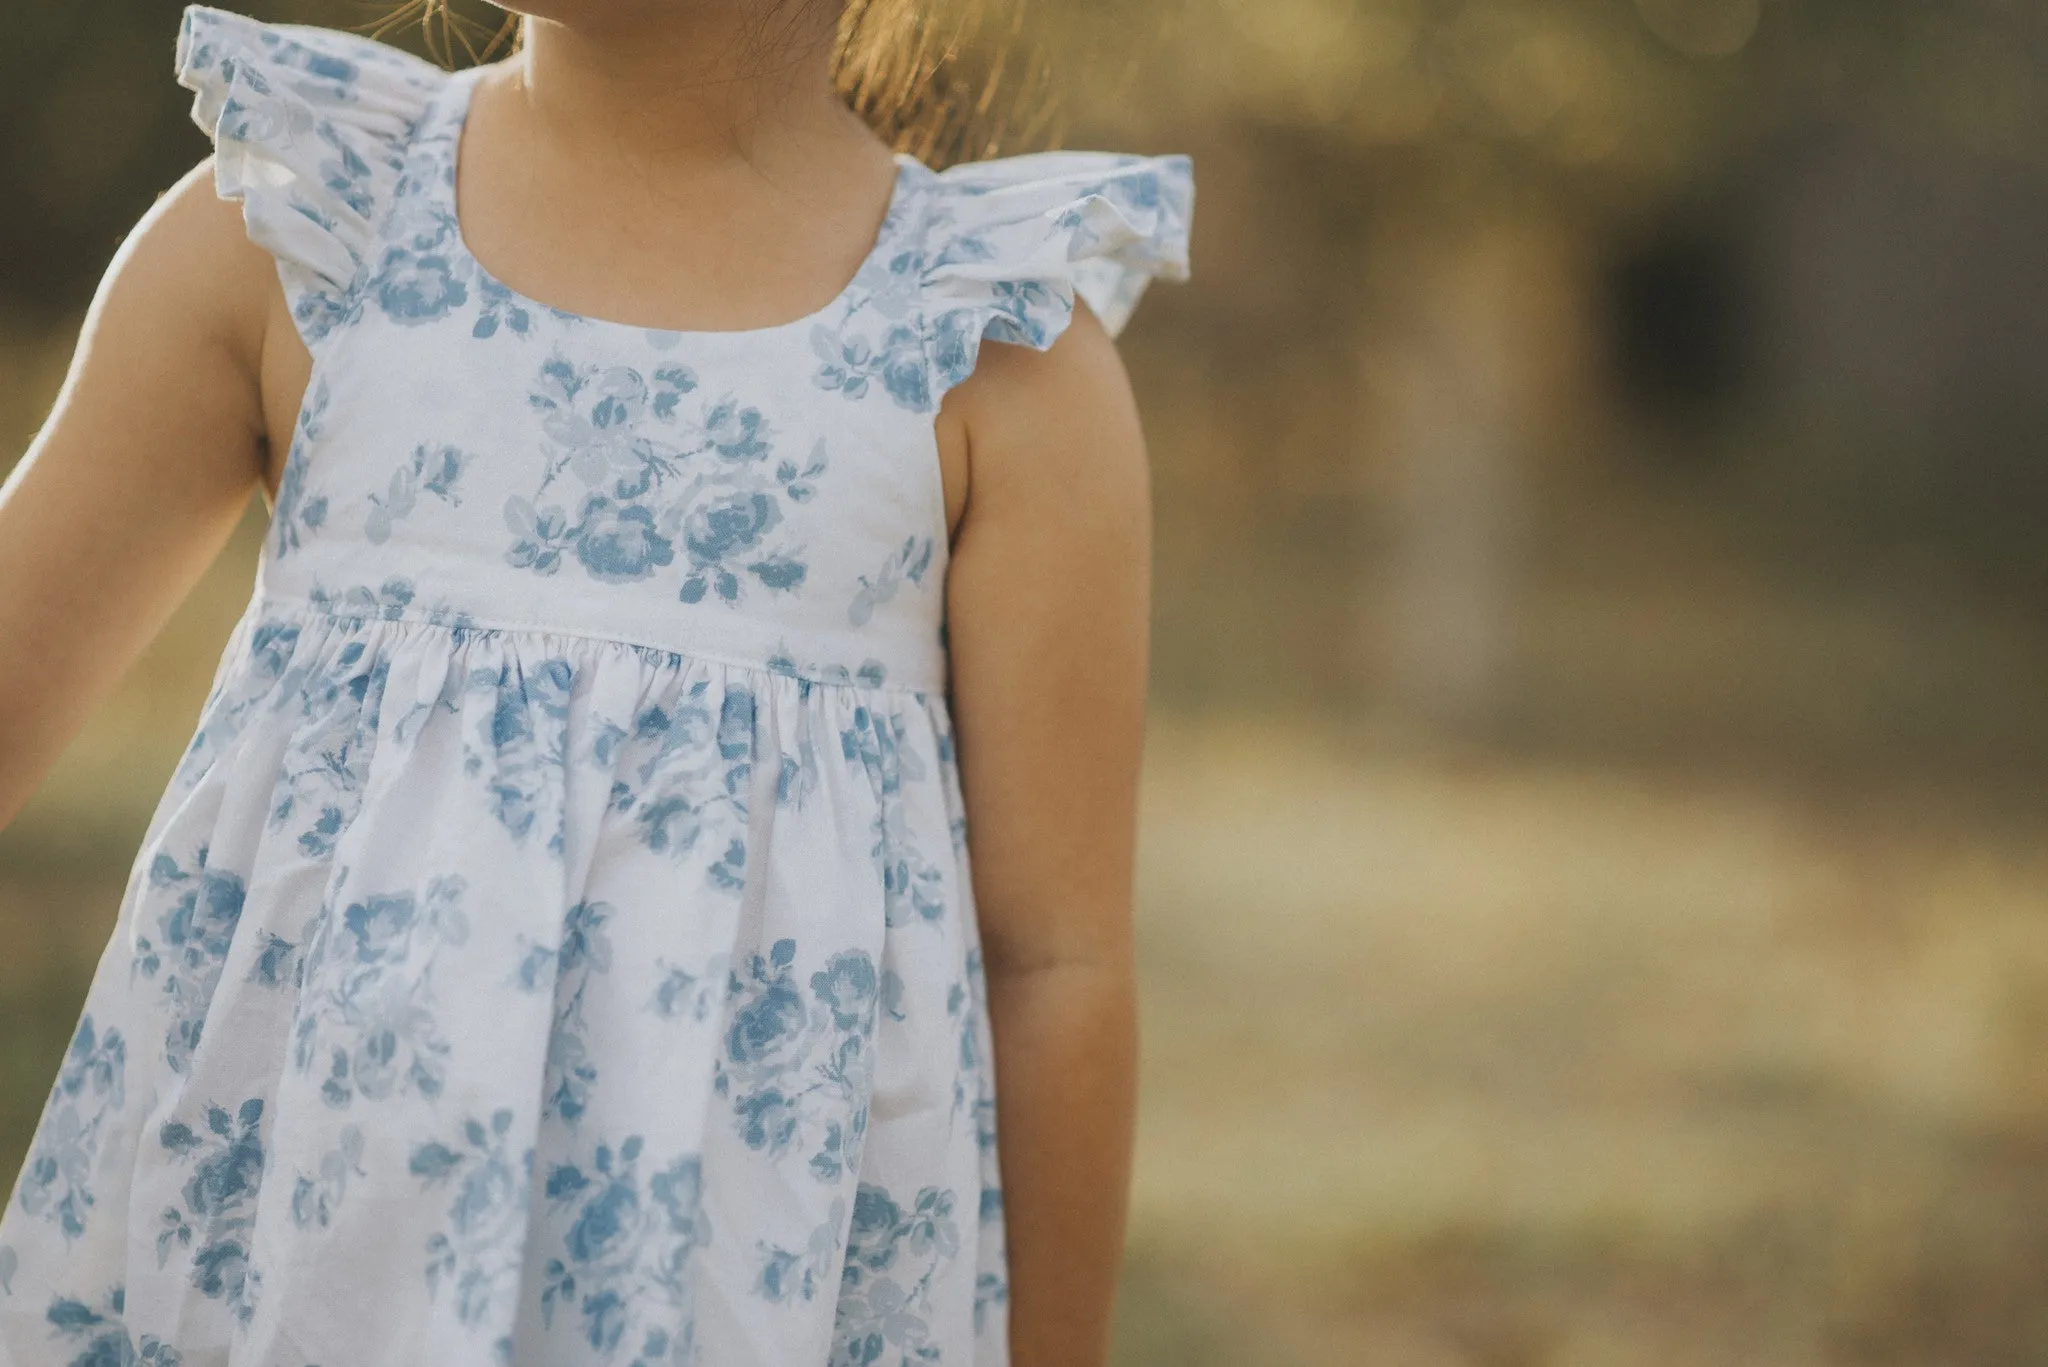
767 497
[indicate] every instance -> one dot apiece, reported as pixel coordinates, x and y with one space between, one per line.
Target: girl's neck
683 85
678 163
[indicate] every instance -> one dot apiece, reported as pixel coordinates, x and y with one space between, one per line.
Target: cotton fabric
556 945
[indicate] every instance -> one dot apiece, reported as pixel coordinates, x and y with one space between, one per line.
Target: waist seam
466 623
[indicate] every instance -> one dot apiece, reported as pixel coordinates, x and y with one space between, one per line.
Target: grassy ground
1455 1059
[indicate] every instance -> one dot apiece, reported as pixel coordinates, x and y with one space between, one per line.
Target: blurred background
1594 899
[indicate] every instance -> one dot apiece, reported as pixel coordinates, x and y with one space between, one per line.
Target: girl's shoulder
310 128
1010 243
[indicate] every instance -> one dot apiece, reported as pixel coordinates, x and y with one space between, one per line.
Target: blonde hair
940 79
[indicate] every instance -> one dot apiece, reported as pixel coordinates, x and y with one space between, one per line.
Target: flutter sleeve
1017 240
310 128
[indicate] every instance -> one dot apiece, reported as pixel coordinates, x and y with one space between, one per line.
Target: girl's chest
635 483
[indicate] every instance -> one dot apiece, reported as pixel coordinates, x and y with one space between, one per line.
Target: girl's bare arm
1047 611
140 473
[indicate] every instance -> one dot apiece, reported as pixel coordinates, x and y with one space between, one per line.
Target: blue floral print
555 944
692 794
419 283
500 309
98 1337
657 487
911 883
57 1184
392 600
317 1196
907 565
326 763
433 470
796 1066
298 514
191 944
892 1256
366 1016
520 743
681 994
209 1229
800 1274
474 1259
627 1254
585 953
850 365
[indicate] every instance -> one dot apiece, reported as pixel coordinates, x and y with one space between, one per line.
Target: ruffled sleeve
310 128
1015 240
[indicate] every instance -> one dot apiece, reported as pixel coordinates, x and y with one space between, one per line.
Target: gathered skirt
488 996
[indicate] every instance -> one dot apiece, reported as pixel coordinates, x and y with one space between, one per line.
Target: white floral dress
556 945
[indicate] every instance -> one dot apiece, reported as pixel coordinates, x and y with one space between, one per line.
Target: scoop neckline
456 98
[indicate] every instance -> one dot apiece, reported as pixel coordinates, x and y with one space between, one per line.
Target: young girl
557 944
